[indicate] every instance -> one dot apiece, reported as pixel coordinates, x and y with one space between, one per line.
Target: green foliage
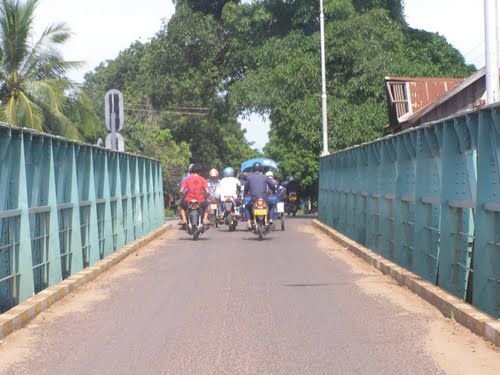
393 7
34 89
365 41
175 83
209 7
151 140
216 60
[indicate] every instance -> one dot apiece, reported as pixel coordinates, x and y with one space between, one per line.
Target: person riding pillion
272 206
180 209
213 184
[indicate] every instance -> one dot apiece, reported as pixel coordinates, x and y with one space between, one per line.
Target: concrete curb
450 306
18 316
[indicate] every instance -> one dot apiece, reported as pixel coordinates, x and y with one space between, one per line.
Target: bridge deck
295 303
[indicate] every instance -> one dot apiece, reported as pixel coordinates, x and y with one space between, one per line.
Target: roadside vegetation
34 89
214 61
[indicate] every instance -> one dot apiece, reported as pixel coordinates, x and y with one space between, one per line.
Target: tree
366 41
151 140
231 58
179 76
33 85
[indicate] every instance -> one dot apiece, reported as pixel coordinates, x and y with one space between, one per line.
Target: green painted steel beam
428 198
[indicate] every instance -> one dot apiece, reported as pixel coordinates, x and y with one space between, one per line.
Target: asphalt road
295 303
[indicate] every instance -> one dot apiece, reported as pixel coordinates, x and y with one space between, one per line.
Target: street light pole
491 53
323 81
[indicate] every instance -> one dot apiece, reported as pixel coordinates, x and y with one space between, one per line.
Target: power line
181 111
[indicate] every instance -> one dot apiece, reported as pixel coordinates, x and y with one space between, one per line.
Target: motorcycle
232 213
292 205
279 209
260 218
213 215
194 217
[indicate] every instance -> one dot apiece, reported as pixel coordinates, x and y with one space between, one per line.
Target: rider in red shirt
194 187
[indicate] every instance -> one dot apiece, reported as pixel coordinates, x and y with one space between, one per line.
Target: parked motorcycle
195 225
260 218
232 213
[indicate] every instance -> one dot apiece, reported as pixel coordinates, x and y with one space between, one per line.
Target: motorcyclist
256 186
213 192
194 187
213 184
292 187
180 209
272 206
270 176
229 187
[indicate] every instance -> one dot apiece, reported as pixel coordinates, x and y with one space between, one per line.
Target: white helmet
269 174
213 173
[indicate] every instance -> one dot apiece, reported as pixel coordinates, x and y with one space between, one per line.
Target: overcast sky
102 28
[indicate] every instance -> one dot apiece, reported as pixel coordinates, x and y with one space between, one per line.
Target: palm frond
34 89
16 20
54 33
57 33
51 95
22 111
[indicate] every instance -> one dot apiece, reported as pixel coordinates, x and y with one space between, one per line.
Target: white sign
113 110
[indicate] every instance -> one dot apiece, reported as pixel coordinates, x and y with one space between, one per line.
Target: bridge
420 206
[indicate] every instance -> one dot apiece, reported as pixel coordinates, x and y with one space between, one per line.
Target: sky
102 28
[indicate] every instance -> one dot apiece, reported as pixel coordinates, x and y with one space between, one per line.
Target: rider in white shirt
229 186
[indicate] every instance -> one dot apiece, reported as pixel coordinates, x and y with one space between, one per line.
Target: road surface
295 303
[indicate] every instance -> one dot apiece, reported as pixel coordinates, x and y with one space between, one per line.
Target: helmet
269 174
228 172
290 178
190 167
213 173
257 167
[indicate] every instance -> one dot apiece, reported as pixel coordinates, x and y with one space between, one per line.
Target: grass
170 213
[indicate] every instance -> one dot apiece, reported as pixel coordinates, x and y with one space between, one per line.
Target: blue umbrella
267 164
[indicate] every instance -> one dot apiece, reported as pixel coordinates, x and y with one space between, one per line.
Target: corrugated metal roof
406 96
447 95
425 90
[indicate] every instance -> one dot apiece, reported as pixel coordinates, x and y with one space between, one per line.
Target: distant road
295 303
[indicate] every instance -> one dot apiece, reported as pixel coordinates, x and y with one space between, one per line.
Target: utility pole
491 54
323 81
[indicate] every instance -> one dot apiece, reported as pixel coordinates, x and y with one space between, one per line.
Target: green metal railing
65 205
428 199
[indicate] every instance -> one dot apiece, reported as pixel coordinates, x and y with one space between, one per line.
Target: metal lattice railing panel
9 261
64 206
427 198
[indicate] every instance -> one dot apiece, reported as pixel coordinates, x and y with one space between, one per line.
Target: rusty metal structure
413 101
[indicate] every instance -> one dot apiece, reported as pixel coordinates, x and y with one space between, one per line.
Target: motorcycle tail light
194 205
260 203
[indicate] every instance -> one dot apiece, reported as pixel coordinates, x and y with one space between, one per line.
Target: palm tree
34 89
